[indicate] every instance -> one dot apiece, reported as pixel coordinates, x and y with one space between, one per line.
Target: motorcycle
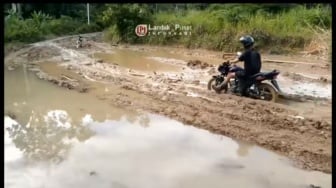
79 42
257 87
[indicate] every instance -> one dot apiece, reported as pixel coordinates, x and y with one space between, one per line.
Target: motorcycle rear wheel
267 92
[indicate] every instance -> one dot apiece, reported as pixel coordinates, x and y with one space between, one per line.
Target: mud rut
181 96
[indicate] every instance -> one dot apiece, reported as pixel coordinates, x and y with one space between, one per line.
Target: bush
125 17
17 29
84 28
220 26
64 25
112 34
40 26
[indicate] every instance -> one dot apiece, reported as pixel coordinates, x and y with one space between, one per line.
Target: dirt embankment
181 96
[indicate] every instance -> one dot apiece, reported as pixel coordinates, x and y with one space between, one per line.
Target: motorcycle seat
265 74
235 69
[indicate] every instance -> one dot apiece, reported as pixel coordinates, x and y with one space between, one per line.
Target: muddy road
167 81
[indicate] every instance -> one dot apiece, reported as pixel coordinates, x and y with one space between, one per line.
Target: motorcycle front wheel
267 92
213 82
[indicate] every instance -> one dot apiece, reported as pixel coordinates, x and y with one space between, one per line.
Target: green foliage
274 26
214 26
84 28
11 15
126 17
17 29
39 17
40 25
112 34
63 25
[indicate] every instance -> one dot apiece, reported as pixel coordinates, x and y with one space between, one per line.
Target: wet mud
181 94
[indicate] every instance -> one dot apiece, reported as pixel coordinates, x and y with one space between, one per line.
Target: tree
126 17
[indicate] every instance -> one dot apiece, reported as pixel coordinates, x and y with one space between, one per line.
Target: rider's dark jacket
252 62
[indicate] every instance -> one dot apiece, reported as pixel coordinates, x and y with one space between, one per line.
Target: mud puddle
63 138
127 153
302 88
136 60
178 53
55 69
183 96
26 96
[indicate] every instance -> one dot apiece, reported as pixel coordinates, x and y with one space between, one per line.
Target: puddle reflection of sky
128 154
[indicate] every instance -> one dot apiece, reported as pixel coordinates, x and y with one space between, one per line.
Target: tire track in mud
307 141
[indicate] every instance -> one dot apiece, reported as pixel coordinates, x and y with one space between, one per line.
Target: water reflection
48 137
135 60
43 96
164 153
49 142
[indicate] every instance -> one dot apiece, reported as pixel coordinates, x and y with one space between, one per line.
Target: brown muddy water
62 138
135 60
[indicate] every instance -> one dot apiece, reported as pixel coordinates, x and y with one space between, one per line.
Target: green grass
220 28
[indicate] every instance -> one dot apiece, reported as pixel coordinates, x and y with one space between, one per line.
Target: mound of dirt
213 70
41 52
299 77
293 76
197 64
14 48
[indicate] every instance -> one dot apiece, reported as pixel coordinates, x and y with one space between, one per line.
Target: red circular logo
141 30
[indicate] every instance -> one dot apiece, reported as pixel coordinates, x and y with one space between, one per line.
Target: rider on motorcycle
79 42
252 65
